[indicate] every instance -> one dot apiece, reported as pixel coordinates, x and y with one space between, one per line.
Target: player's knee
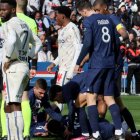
109 100
7 108
15 106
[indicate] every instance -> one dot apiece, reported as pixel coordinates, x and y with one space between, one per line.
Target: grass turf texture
131 102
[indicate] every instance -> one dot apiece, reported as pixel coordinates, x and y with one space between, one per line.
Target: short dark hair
83 4
41 83
56 127
64 10
100 2
10 2
53 91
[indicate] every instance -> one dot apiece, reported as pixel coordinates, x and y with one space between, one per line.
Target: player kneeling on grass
41 108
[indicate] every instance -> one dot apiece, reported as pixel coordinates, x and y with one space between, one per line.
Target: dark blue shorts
80 80
100 81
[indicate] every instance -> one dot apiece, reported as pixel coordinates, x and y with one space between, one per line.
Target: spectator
44 55
33 6
50 19
124 15
133 55
136 26
49 5
74 18
39 21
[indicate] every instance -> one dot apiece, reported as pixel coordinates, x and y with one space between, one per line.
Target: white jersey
69 47
17 37
49 4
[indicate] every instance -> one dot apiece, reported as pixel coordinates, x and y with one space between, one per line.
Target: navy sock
116 117
129 119
83 120
93 118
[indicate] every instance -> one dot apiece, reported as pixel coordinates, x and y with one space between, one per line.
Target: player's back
102 49
19 34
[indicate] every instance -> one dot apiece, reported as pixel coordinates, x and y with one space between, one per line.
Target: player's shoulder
72 25
26 19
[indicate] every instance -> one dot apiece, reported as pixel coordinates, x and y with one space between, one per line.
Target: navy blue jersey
37 104
99 38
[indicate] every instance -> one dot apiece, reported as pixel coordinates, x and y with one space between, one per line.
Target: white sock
96 135
19 125
10 126
118 132
85 134
134 134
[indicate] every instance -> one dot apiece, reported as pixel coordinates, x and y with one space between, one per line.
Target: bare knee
11 107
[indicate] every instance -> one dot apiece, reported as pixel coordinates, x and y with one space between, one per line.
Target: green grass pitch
131 102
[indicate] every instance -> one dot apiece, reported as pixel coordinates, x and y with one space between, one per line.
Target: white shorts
61 78
15 80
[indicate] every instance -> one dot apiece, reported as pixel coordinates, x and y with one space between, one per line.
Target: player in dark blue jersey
76 101
99 43
122 36
38 98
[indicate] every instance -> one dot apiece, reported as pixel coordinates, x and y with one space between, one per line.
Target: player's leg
101 105
16 81
14 121
129 78
2 113
80 104
93 114
26 112
126 114
3 117
113 107
61 80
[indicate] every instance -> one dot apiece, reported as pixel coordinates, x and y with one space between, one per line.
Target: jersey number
25 39
105 35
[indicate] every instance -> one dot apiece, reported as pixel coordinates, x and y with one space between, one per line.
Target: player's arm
10 43
53 64
10 46
86 58
119 27
54 115
36 45
76 39
87 42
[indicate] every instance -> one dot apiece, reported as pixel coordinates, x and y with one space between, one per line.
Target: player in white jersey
17 37
69 46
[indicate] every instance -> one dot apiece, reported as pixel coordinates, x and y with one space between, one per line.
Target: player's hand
32 73
50 67
77 69
67 133
6 66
